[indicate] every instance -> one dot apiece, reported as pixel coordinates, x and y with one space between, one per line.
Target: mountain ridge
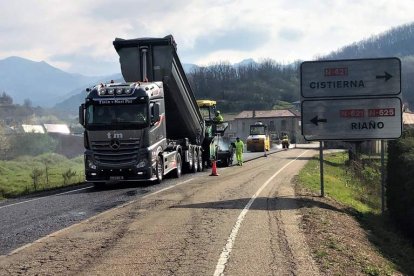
38 81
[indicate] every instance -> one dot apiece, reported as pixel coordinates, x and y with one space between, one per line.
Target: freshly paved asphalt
27 219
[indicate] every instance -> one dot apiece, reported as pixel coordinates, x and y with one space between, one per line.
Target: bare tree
4 143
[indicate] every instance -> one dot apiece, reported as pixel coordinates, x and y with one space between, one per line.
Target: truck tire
194 168
200 162
188 166
178 170
159 170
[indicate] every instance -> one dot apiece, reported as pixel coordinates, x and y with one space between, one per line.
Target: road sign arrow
386 76
316 121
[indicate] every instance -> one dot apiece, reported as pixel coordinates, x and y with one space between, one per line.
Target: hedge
400 182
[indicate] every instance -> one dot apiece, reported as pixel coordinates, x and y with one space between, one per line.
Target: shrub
35 175
67 175
31 144
400 181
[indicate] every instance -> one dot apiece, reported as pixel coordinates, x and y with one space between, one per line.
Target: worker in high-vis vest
239 151
218 119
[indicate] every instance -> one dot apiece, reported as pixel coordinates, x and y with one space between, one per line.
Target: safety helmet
217 112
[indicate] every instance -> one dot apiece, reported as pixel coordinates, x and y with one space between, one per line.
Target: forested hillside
246 87
397 42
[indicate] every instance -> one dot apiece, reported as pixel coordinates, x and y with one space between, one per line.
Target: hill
41 83
397 42
247 85
74 98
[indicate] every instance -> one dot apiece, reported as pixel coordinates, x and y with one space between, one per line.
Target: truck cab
125 133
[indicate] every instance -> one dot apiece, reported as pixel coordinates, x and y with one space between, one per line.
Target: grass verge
352 236
29 174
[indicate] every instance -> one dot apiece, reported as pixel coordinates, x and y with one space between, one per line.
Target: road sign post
351 100
321 168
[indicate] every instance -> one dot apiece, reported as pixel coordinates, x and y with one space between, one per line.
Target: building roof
229 117
57 128
408 118
277 113
33 129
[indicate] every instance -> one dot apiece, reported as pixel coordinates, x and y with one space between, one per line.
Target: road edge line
225 254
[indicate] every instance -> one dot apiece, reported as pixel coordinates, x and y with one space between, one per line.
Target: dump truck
147 127
259 139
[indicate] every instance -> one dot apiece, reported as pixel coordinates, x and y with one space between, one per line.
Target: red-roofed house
408 119
278 121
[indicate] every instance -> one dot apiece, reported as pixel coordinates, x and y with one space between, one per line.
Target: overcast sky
76 36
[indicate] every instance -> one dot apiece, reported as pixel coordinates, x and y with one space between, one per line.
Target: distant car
225 151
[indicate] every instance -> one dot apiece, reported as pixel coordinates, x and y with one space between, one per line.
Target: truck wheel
194 169
177 172
200 162
159 170
188 167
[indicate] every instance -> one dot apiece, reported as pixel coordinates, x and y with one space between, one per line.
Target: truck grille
126 154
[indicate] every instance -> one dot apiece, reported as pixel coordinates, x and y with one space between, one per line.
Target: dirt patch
338 243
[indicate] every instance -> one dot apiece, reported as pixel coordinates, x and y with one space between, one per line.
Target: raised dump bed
156 59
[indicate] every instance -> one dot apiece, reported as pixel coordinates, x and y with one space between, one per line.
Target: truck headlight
101 91
142 163
91 165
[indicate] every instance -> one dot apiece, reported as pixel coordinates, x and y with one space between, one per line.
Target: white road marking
162 190
94 217
26 201
225 254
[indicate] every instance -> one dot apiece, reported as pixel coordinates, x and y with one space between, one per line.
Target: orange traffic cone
214 168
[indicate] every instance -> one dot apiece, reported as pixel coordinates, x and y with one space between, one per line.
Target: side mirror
156 114
82 114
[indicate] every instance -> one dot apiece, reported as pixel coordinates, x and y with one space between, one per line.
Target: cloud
83 61
142 10
227 40
77 35
291 35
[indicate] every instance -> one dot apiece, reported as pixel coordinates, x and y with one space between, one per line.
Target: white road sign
352 119
350 78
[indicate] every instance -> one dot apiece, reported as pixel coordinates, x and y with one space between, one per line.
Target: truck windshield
101 115
257 130
205 112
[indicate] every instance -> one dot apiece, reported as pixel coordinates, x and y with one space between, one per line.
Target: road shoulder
338 243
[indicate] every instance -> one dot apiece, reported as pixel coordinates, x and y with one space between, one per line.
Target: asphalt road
27 219
243 222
